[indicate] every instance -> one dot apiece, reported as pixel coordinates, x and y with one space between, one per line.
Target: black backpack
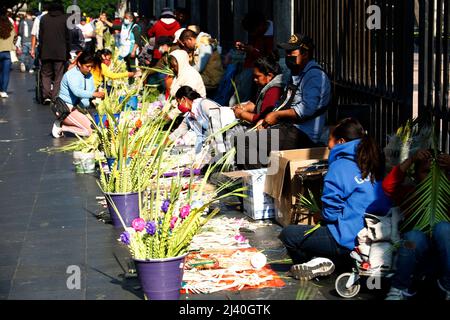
76 39
60 109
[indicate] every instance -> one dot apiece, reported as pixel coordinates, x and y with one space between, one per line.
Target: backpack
60 109
76 39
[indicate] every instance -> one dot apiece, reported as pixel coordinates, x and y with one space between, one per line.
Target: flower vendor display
160 238
134 149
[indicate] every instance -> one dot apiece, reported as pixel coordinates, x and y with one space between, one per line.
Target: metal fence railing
376 67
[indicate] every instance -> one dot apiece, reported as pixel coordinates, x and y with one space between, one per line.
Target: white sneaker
31 71
319 267
22 67
57 130
398 295
3 95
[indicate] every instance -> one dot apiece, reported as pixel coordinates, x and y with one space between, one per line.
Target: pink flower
138 224
185 211
172 222
240 238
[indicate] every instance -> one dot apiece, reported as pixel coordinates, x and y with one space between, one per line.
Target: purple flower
138 224
125 238
172 222
165 206
185 211
151 228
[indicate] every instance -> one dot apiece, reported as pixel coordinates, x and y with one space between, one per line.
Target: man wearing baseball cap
301 115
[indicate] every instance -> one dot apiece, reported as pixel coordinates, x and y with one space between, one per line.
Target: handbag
60 109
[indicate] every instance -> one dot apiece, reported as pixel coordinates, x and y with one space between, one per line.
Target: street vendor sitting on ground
352 188
300 120
196 116
268 77
185 75
418 251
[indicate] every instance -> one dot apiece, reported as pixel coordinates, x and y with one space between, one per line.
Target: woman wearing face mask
196 116
101 71
268 77
77 88
130 41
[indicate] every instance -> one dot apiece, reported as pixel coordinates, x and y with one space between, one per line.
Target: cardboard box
282 185
258 205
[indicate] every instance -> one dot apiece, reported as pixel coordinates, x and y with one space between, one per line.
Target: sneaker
57 130
3 95
319 267
447 293
398 295
22 67
31 71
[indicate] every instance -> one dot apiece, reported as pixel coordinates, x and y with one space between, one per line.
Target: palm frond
429 204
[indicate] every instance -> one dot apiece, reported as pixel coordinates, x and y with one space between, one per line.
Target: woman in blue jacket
77 88
352 188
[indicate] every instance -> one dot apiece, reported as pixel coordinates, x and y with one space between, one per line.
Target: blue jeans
419 252
321 243
5 69
26 58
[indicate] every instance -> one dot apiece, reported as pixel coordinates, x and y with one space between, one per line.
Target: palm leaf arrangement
136 147
173 217
430 202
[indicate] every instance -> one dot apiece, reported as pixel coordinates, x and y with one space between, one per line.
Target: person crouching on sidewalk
77 88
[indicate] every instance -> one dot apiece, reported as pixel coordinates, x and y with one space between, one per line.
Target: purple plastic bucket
127 205
161 279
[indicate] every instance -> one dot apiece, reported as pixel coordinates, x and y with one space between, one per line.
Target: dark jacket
54 37
29 22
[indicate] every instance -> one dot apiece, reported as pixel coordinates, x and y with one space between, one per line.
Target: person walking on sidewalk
54 46
130 41
88 35
77 88
101 26
7 35
25 27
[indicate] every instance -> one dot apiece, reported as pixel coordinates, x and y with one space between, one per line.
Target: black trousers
253 149
52 71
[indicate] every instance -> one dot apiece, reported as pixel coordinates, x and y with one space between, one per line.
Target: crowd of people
75 63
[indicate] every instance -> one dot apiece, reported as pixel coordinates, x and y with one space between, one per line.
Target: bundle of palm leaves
430 203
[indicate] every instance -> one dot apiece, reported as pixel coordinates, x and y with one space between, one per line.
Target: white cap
178 34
